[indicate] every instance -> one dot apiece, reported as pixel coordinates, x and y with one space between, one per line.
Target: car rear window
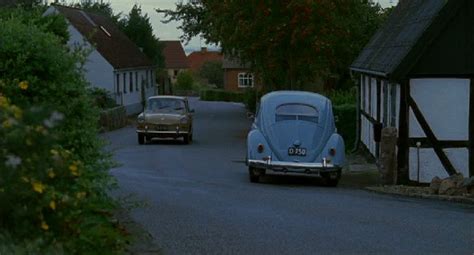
297 112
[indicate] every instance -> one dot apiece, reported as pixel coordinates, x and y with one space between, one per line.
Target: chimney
203 49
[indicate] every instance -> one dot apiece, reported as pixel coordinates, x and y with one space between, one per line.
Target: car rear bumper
294 168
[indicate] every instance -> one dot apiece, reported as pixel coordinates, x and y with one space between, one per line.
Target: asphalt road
199 201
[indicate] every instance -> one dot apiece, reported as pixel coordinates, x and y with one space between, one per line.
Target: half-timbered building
417 74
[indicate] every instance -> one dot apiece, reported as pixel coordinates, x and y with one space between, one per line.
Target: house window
245 80
118 83
136 81
125 83
131 82
146 79
175 72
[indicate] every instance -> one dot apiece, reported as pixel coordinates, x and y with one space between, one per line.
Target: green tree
98 7
138 28
212 71
185 81
289 43
55 24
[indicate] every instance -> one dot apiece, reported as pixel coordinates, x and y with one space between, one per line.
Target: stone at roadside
468 182
447 187
458 179
435 184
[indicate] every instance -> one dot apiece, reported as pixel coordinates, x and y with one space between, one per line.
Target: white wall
367 131
132 99
98 71
445 106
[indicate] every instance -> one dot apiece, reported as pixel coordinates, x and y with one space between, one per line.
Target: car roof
283 96
167 97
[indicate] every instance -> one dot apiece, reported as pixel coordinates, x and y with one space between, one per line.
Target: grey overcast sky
170 31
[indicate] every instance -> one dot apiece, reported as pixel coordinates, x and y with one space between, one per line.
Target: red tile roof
109 41
174 55
198 58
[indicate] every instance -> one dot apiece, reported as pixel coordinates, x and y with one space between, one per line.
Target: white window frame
245 78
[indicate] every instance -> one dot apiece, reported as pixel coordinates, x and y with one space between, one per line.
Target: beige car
165 117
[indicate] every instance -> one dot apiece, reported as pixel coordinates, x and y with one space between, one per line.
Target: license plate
161 128
294 151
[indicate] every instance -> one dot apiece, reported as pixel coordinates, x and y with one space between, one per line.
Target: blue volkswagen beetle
294 134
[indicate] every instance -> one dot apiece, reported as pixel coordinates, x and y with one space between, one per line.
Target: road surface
199 201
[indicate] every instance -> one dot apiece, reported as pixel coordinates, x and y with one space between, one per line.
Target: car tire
253 177
141 139
186 139
328 182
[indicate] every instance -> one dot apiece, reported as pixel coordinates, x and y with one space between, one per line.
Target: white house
115 62
417 74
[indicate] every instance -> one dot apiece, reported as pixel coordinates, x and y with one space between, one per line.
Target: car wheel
141 139
186 139
331 182
253 175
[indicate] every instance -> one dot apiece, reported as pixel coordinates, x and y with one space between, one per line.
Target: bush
185 81
53 171
342 97
214 74
102 98
251 99
346 121
222 95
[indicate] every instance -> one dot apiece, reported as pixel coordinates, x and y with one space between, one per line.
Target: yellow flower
80 195
17 112
51 173
44 226
7 123
73 169
23 85
38 186
41 129
52 205
3 101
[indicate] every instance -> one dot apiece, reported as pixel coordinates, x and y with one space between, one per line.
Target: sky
170 31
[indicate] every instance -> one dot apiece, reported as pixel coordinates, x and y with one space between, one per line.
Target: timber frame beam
437 146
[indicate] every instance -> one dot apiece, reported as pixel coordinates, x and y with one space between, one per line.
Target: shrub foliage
53 171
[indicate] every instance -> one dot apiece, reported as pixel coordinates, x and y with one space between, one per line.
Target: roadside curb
456 199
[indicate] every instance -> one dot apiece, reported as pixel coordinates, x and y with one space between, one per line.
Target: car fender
254 138
335 142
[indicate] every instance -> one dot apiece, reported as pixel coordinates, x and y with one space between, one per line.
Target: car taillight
260 148
332 152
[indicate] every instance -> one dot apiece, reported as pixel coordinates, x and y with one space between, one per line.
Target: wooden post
388 161
471 128
403 132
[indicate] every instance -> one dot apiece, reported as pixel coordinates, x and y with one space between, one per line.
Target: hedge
346 121
222 95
